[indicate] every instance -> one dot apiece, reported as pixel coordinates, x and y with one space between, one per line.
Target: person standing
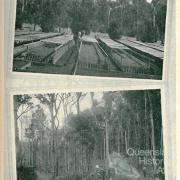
144 171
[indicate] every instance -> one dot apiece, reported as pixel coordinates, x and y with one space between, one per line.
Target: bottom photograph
112 135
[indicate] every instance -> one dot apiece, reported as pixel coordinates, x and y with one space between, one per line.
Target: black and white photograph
105 135
99 38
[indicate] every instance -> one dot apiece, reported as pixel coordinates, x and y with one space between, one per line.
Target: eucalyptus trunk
152 129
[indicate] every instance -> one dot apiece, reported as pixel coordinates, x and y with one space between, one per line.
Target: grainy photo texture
110 38
89 136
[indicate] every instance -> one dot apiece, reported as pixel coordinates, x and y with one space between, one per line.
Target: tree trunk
34 27
125 139
152 129
15 120
161 139
92 101
118 139
22 6
107 146
53 139
78 95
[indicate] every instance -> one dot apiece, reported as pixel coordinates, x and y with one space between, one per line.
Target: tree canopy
136 18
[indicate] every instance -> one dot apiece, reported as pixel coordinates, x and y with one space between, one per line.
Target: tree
32 12
53 103
81 14
161 9
86 132
19 15
102 15
61 13
22 105
128 19
114 31
48 17
37 134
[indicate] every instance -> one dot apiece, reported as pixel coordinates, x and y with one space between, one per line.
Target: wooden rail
36 40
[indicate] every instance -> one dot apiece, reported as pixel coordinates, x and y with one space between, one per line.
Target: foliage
161 19
19 15
132 18
26 173
47 17
85 122
102 9
24 103
114 31
32 12
38 124
22 100
81 14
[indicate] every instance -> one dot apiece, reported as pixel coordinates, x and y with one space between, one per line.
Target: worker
144 171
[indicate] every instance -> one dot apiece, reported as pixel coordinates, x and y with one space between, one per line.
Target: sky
149 1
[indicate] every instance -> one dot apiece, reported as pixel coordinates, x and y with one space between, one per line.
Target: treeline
121 120
136 18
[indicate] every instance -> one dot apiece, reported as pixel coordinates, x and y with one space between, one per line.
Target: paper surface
18 83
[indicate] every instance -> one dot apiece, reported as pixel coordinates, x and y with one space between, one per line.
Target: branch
25 111
56 127
43 99
44 126
57 110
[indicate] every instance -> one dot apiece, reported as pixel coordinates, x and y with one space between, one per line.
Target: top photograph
100 38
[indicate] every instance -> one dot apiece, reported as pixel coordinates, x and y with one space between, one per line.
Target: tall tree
53 103
22 105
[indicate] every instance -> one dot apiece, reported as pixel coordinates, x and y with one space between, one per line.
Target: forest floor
148 178
42 176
